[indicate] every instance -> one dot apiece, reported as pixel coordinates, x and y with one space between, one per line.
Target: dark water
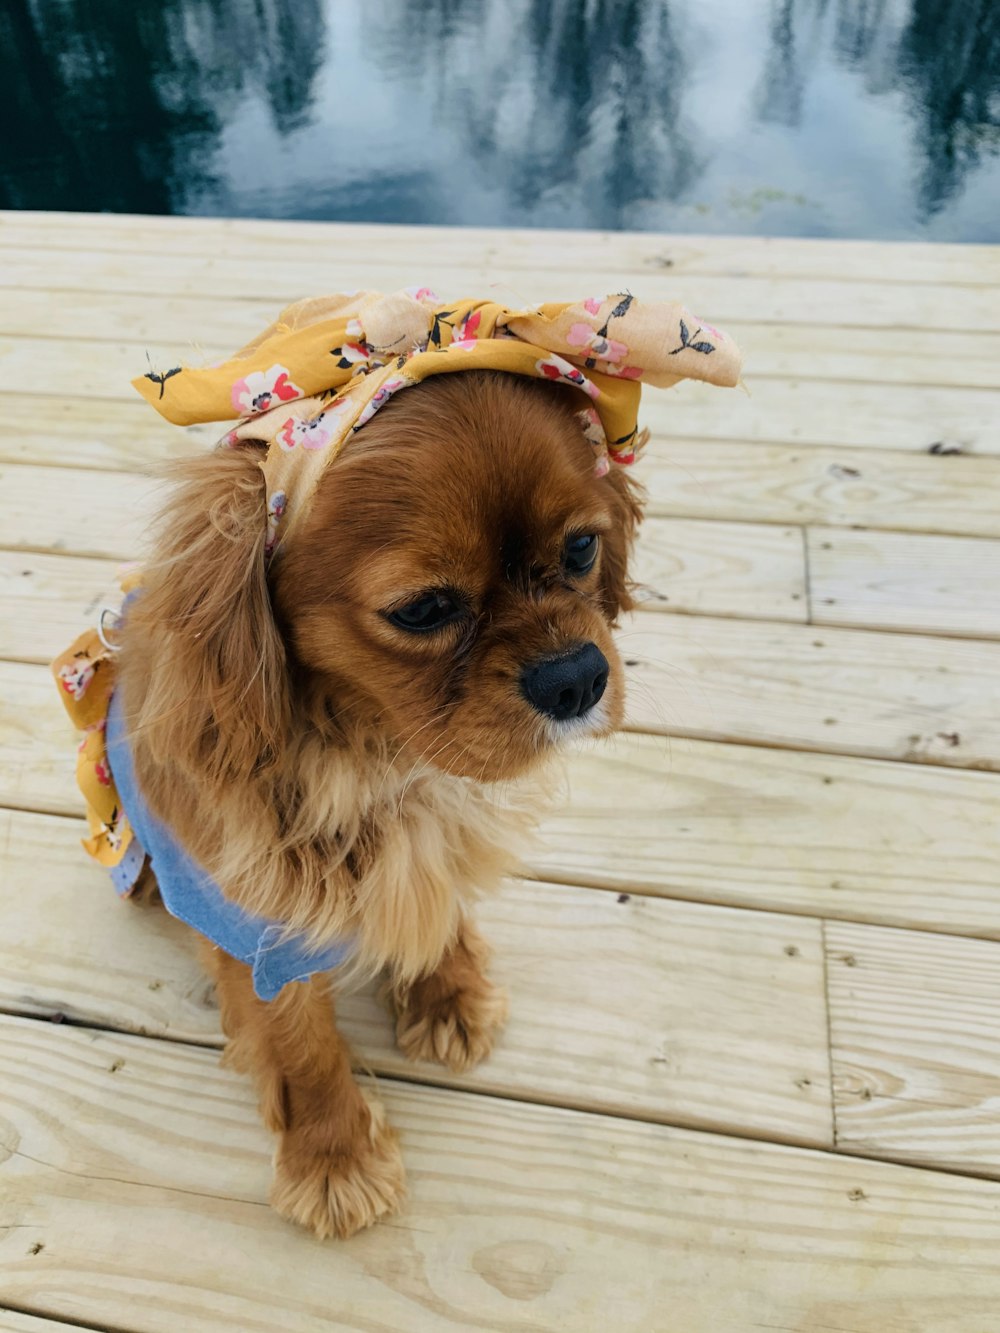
876 118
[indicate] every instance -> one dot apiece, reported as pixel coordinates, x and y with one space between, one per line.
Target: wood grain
518 1216
847 261
901 581
12 1321
806 687
287 274
771 483
78 511
895 843
913 1021
615 1005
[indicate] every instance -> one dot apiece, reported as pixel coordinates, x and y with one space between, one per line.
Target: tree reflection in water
608 113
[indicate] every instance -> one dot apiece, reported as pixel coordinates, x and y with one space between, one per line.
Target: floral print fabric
85 676
329 364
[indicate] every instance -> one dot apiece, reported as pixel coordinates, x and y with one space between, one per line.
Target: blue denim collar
190 894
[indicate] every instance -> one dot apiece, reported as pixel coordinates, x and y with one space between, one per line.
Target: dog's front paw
336 1193
457 1029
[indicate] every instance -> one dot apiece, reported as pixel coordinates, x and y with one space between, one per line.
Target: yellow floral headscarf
328 364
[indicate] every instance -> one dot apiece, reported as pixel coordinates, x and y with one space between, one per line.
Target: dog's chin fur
328 769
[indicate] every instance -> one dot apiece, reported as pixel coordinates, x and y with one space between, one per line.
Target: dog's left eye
429 612
580 553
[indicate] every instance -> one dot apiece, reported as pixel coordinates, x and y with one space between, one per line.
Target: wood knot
520 1270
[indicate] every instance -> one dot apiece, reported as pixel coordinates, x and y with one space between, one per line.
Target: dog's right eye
429 612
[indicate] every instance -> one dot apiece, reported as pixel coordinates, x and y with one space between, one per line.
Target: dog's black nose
568 685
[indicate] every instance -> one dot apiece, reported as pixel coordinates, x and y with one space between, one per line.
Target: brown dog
334 739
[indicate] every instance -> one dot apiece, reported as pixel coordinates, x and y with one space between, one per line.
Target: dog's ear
616 586
207 678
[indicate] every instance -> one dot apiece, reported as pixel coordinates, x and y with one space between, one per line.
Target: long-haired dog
339 737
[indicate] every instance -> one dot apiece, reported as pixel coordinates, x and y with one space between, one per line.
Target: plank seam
63 1320
829 1033
808 574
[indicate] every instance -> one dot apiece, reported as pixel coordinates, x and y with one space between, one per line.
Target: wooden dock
752 1075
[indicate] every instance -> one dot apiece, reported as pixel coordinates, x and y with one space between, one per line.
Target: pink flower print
76 676
423 294
231 439
593 304
354 329
468 329
624 372
316 433
593 429
276 506
554 367
263 389
463 344
707 328
382 396
602 467
603 348
102 773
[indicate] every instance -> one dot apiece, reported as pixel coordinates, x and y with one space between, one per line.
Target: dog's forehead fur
462 485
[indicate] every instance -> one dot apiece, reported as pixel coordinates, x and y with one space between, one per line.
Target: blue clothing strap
190 894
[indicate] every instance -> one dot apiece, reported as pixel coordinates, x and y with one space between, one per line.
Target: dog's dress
302 388
124 832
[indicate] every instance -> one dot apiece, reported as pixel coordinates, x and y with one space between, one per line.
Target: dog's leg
455 1013
338 1167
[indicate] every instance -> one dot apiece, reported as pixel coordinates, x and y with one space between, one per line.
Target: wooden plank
82 511
771 483
745 570
119 329
897 581
874 416
815 413
838 691
47 600
913 1021
12 1321
818 834
632 252
567 1220
733 569
287 275
650 1032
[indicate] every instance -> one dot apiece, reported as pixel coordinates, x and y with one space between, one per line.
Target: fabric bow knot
328 364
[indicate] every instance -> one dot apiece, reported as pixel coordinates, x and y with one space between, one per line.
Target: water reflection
867 117
120 107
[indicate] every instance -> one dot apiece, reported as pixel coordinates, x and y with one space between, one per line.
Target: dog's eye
429 612
580 553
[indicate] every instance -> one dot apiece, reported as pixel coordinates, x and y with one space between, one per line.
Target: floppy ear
627 506
205 668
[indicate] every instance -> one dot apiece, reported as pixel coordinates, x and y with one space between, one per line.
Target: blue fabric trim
129 868
190 894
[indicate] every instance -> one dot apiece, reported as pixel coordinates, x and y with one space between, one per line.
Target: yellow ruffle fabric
85 676
328 364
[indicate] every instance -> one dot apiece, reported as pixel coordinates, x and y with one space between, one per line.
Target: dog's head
460 570
453 587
